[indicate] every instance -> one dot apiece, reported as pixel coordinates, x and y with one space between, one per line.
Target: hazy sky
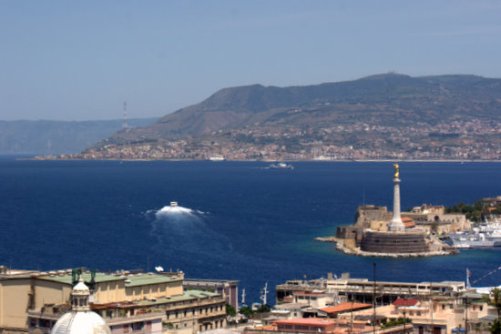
77 60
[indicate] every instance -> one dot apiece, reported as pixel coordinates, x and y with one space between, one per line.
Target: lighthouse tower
396 224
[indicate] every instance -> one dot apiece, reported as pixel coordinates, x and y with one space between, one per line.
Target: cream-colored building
15 296
434 219
129 302
435 315
313 299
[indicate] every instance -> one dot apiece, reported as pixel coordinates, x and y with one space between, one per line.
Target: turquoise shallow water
248 223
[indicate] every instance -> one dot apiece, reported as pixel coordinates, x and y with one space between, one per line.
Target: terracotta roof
345 307
409 224
306 321
269 328
405 302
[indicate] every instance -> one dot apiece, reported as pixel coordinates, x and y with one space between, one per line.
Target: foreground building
348 289
32 301
430 307
436 315
80 319
326 326
227 288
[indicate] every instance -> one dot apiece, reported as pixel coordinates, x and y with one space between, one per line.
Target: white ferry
216 158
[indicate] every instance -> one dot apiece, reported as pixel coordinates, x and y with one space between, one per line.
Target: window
137 326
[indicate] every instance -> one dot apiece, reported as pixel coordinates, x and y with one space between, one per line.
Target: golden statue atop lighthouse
397 170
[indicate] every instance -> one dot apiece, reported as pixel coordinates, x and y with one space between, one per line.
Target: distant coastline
46 158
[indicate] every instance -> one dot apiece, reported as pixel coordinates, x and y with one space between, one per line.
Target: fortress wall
380 242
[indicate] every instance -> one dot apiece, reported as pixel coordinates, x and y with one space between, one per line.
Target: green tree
230 310
496 301
264 309
496 327
247 311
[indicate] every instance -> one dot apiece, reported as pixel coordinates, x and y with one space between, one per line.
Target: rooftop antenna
125 124
374 298
468 275
243 297
264 294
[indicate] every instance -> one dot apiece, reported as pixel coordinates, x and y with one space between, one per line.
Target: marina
485 235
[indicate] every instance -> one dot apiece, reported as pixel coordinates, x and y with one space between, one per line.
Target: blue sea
241 222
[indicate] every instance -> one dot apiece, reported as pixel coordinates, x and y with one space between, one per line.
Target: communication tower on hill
125 123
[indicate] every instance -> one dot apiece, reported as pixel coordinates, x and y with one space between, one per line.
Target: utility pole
405 320
466 315
374 298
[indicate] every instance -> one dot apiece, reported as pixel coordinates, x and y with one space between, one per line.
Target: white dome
80 320
80 323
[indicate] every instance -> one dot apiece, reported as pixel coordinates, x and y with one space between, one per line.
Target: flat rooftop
209 281
131 280
306 321
186 296
6 272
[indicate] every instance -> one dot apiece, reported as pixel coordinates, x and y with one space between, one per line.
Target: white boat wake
181 231
173 210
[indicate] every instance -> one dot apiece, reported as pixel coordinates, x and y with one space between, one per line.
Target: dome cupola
80 320
80 297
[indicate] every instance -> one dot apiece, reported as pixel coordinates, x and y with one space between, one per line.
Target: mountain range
381 116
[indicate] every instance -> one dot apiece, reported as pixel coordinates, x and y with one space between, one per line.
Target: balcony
113 321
